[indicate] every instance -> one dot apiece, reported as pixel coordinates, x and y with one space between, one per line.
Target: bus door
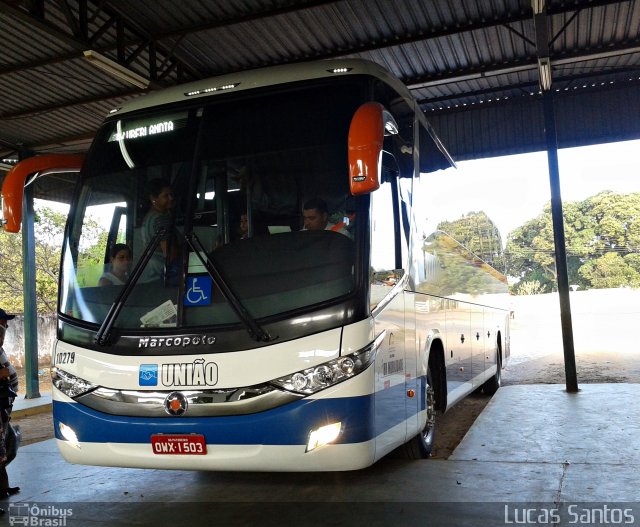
413 365
458 352
478 344
388 307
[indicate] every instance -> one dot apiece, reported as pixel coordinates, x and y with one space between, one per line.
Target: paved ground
534 447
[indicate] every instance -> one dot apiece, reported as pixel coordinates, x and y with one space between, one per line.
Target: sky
514 189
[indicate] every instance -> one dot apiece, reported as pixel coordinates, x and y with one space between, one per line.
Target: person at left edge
7 374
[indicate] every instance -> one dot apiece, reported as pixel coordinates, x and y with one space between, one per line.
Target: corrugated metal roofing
472 64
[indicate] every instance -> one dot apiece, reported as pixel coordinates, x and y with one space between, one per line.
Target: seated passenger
316 217
119 265
243 227
348 222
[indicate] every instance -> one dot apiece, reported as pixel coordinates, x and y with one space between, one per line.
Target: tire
491 386
421 446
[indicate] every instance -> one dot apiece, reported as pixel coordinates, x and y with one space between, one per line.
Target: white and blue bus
274 347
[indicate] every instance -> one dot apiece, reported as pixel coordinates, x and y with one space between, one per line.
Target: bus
264 341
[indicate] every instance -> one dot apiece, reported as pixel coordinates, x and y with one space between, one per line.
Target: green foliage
610 270
91 258
49 229
479 234
633 261
531 287
11 272
454 270
602 239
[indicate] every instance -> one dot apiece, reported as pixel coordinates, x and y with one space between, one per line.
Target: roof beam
37 19
78 38
542 44
624 48
527 88
30 112
55 144
524 15
293 7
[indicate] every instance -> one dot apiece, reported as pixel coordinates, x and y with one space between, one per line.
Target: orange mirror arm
13 185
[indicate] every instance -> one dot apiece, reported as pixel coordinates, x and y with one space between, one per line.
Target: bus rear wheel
421 446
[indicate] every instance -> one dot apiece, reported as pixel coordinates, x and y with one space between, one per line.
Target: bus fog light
69 434
323 436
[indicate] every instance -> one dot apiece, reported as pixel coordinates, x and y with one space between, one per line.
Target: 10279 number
65 357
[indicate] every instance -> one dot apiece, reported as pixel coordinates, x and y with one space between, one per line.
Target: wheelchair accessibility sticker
198 291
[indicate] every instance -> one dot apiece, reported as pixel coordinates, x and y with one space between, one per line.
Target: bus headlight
330 373
70 385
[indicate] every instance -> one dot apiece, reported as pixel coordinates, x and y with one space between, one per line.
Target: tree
49 227
603 224
479 234
529 288
49 230
11 271
610 270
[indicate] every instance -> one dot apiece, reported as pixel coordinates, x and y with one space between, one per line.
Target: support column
541 25
560 244
30 305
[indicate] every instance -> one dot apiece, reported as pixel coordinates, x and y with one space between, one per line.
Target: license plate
189 444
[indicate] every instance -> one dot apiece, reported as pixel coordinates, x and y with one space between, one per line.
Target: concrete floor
535 450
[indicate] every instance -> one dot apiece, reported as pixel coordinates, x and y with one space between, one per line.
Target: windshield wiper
104 333
255 331
253 328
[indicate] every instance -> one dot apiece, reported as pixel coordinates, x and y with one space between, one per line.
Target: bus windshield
169 194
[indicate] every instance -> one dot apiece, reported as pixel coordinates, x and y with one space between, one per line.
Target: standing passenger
159 217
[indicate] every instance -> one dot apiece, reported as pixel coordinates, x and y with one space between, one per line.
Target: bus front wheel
493 384
421 446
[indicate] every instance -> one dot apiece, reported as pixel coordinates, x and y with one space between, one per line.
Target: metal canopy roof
472 64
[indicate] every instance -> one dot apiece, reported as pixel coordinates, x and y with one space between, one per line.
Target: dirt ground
37 427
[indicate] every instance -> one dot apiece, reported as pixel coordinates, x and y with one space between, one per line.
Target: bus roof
258 78
274 75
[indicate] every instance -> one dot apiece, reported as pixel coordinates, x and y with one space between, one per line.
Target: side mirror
369 124
14 182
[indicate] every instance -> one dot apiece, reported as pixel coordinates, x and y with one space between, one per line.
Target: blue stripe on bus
286 425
